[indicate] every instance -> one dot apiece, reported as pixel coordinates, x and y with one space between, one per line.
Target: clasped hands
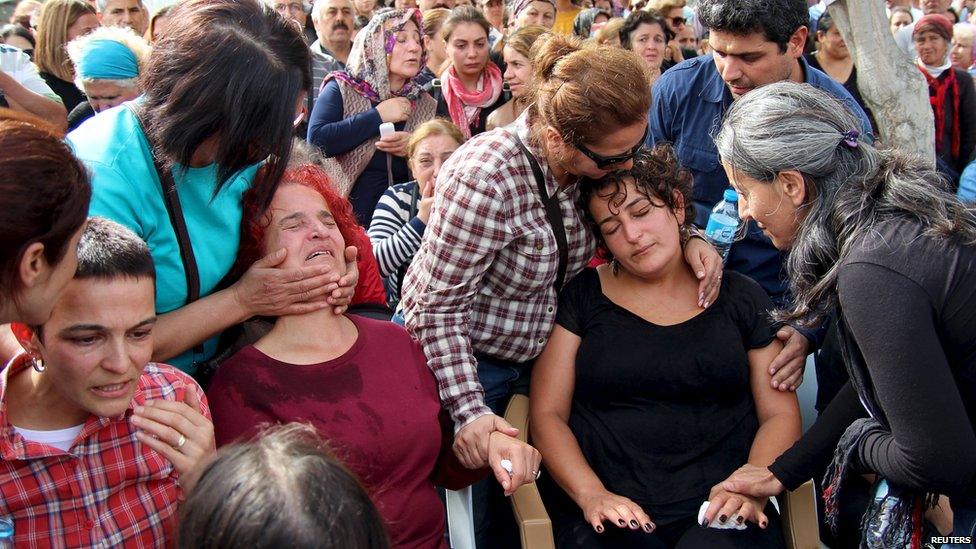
741 497
487 441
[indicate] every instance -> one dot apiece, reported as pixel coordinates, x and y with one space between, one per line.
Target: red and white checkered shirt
483 278
107 490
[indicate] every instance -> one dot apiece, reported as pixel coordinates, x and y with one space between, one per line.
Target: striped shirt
395 234
483 279
107 490
323 63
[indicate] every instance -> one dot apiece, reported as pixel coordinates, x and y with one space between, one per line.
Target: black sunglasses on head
602 162
678 21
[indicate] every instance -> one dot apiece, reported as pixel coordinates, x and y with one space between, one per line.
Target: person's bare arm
22 99
553 381
779 427
779 412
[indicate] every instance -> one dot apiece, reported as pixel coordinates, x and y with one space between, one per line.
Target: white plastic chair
460 518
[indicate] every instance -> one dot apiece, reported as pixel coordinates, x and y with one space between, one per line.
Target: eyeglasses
603 162
678 21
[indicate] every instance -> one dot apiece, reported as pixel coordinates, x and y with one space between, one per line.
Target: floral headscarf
368 71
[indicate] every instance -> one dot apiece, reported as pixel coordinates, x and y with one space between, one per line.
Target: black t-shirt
663 413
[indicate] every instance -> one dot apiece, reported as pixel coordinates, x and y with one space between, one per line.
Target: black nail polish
723 518
599 529
634 524
739 520
649 527
621 522
704 523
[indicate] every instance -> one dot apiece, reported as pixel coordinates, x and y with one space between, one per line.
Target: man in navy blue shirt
754 43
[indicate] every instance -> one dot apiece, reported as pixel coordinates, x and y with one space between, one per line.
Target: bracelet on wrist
689 231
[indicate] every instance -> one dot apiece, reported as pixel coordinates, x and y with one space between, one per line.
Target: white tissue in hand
507 465
729 524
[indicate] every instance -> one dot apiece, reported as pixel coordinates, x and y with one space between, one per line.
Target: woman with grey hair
107 65
877 236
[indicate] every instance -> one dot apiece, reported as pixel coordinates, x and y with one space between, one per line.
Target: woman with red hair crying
363 384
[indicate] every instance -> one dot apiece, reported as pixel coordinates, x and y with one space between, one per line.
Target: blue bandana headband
107 60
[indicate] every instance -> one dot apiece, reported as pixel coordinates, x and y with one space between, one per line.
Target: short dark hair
777 20
638 18
284 489
109 250
657 175
227 68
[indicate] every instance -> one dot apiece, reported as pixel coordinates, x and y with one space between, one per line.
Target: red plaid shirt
108 490
483 278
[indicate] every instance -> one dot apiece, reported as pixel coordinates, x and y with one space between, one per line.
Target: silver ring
181 442
537 474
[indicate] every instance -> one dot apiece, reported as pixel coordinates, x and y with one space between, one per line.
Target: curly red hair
257 218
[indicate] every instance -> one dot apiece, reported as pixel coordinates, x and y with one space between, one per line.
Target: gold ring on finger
181 442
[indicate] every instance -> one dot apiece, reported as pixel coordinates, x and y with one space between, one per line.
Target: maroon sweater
377 405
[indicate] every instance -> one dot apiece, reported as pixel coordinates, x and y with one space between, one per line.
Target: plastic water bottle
6 533
724 223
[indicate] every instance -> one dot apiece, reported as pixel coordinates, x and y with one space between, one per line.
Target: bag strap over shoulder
553 212
175 211
176 219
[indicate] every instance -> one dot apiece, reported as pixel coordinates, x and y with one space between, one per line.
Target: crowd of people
272 270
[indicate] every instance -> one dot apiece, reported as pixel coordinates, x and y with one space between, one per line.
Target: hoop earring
615 267
38 364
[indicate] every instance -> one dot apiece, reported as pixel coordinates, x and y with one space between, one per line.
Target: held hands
752 480
724 505
600 506
707 265
523 461
488 440
395 143
787 367
177 430
395 109
471 442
